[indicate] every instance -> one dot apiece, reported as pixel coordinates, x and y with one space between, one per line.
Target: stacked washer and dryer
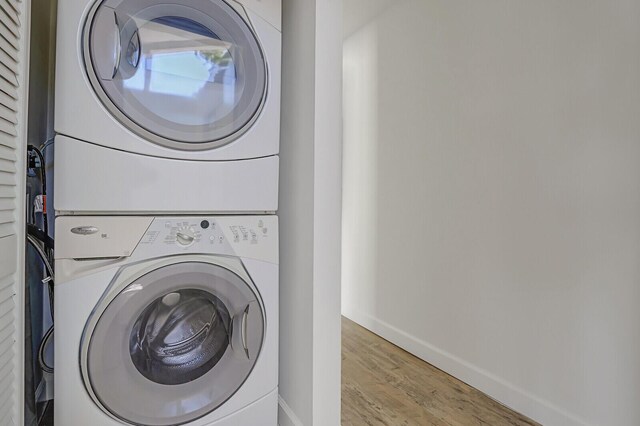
166 187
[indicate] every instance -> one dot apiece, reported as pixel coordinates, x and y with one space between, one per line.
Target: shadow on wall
491 196
360 170
360 13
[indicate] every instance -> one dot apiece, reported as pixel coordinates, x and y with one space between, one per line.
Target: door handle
105 43
116 46
245 315
243 343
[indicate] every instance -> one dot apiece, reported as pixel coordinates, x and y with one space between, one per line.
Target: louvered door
13 96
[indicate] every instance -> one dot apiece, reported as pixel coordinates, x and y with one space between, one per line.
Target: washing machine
166 321
154 93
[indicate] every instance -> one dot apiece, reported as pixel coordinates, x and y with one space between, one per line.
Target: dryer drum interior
187 75
181 340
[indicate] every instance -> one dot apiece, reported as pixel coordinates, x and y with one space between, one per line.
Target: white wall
492 197
310 214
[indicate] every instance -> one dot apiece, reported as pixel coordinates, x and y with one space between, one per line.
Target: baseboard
286 416
508 394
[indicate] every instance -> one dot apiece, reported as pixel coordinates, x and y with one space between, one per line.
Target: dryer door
173 344
188 75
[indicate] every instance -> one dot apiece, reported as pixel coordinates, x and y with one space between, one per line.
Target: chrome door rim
118 284
133 126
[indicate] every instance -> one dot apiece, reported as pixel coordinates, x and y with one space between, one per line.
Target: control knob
185 235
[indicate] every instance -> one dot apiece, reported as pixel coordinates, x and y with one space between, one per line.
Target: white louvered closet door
14 30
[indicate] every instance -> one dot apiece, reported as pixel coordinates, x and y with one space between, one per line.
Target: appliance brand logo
84 230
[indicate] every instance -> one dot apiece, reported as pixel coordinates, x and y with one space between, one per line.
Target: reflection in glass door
189 75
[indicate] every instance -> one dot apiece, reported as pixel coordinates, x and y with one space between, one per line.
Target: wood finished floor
384 385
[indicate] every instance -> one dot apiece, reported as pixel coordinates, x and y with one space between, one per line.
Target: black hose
40 235
41 351
31 239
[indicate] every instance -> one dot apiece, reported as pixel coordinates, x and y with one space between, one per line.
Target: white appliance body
129 345
89 180
193 80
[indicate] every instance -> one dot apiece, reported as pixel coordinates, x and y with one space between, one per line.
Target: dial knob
185 235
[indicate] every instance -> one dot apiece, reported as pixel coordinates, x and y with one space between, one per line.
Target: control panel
139 237
245 236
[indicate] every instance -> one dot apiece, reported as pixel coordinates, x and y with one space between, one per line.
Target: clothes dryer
192 80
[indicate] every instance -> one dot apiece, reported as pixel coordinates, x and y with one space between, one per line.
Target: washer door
187 75
173 345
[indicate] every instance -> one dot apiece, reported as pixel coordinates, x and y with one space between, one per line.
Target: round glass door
173 345
188 75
